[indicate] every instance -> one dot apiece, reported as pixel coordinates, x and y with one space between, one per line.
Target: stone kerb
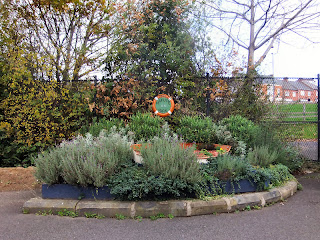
178 208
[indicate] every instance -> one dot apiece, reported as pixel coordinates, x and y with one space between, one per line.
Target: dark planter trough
67 191
241 186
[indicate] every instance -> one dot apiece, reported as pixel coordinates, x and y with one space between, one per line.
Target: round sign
163 105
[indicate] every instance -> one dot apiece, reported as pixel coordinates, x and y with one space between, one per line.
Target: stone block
152 208
106 208
249 199
272 196
208 207
35 205
288 190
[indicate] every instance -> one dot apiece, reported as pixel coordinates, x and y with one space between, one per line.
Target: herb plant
103 124
145 126
84 160
197 129
137 183
241 128
166 157
262 156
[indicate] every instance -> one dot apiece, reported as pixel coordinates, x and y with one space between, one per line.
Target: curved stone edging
178 208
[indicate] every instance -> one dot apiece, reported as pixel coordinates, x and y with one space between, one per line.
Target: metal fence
295 110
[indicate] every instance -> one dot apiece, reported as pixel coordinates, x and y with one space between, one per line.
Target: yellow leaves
7 128
41 113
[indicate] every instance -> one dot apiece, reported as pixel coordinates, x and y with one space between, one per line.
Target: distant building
301 90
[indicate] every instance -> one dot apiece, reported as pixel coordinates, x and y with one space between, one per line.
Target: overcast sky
301 60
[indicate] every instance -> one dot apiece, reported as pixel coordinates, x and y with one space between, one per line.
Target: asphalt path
297 218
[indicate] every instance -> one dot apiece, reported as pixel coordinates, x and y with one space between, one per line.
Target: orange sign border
154 105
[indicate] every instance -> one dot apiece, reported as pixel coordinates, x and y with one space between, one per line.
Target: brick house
302 90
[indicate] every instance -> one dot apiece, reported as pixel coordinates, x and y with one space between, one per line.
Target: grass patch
290 132
296 107
294 112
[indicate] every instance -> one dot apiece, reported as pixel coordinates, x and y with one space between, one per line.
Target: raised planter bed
201 156
177 208
67 191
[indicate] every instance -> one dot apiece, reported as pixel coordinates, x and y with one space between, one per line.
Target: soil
17 179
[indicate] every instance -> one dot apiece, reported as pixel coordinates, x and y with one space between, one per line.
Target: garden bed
203 151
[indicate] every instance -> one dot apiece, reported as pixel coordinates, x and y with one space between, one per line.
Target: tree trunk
251 47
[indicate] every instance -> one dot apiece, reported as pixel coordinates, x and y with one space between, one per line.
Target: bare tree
257 24
68 39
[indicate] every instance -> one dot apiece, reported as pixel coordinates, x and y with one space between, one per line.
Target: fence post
208 97
318 119
304 111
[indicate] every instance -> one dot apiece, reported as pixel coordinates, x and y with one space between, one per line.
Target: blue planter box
67 191
243 186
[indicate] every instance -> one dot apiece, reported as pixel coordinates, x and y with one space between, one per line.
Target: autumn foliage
35 114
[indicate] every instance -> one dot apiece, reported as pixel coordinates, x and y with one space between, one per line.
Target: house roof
288 85
310 84
300 84
271 81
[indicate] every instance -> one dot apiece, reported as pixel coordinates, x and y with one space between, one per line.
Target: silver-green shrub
165 157
224 136
230 165
84 160
262 156
48 165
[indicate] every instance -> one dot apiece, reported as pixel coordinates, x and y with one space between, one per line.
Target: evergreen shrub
84 161
145 126
167 158
101 124
197 129
137 183
241 128
37 115
262 156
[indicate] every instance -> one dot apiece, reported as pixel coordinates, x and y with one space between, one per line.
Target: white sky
294 61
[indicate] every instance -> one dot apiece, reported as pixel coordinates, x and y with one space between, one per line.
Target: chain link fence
294 109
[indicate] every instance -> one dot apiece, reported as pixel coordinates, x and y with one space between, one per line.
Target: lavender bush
84 160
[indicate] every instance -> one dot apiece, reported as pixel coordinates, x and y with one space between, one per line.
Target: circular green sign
163 105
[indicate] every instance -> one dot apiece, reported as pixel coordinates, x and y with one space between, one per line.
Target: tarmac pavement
298 218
